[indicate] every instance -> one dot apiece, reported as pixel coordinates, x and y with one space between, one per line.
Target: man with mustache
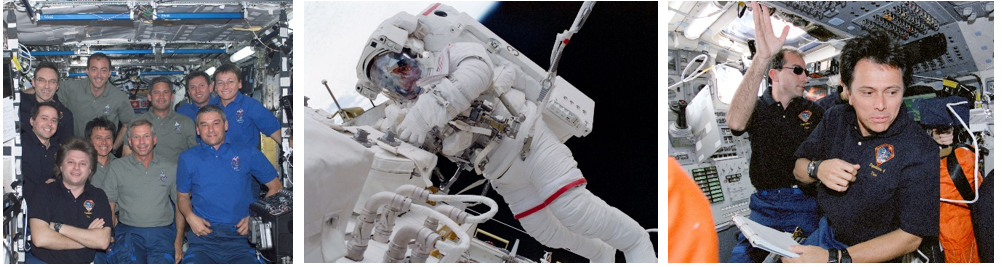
176 131
44 87
96 96
143 188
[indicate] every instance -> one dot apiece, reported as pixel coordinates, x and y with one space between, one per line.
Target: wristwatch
812 169
56 226
833 256
844 257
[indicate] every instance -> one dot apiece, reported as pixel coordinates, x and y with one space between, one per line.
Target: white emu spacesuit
455 90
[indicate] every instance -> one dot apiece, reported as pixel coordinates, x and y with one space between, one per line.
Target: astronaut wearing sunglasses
776 122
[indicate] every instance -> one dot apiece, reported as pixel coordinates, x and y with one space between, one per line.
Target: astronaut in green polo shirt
176 131
143 188
95 97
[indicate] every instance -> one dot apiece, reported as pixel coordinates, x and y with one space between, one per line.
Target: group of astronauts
860 177
185 176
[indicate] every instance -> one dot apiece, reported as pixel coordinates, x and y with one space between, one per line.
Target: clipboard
766 238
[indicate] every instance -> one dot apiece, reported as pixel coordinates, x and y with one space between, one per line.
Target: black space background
612 59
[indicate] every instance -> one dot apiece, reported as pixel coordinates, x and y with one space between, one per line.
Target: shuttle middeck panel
704 146
726 185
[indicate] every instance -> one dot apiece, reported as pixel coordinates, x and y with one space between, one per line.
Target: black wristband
845 256
833 256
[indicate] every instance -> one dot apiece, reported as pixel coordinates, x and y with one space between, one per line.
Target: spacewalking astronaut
433 70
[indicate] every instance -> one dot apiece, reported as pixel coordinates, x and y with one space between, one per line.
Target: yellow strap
949 83
17 64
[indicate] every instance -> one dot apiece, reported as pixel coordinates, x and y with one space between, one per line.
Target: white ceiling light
698 26
210 71
822 53
242 54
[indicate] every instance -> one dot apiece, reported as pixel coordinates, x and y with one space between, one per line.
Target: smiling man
143 187
214 182
176 131
39 148
199 92
878 169
96 96
72 222
45 84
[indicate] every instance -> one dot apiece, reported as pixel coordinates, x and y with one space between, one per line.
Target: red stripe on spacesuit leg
550 199
426 12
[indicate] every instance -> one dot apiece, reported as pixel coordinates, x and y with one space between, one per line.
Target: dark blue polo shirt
190 109
64 130
60 206
219 181
37 162
897 185
246 118
775 133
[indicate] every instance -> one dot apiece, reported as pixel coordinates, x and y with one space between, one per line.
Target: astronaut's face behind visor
397 74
